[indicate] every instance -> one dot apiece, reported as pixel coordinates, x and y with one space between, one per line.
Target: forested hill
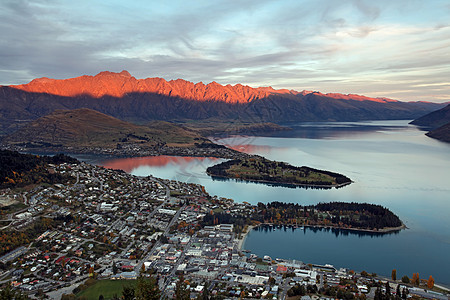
361 214
259 169
352 216
17 169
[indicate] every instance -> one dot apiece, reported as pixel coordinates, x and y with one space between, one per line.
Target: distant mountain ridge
139 101
119 84
434 119
438 122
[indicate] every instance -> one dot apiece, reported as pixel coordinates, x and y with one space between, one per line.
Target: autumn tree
415 279
394 274
430 282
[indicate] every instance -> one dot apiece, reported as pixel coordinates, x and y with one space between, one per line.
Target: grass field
107 288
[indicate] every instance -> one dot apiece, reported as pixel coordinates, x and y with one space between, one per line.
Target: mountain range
140 100
438 122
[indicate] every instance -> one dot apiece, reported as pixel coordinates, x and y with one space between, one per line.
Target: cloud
331 46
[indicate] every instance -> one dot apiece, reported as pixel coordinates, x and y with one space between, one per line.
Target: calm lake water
391 163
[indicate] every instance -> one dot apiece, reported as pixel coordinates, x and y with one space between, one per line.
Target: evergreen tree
147 289
404 293
378 294
388 289
8 293
114 268
181 290
128 293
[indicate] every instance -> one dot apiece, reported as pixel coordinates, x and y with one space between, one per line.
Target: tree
388 289
271 280
181 290
114 268
147 289
404 293
378 294
128 293
394 274
8 293
405 279
416 279
430 282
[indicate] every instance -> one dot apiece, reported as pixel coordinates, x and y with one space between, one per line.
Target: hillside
141 100
88 128
441 133
17 169
434 119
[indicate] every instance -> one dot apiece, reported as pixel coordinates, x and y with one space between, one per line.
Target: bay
391 163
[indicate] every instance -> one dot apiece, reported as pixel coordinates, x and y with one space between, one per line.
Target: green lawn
107 288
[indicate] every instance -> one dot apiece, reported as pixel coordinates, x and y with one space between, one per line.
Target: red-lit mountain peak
119 84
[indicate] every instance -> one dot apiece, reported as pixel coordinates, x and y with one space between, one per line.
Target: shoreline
220 152
379 231
269 183
241 241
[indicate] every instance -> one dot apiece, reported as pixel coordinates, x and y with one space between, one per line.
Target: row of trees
415 279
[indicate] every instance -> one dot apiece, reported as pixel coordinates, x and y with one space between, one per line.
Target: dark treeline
356 215
17 169
370 215
221 169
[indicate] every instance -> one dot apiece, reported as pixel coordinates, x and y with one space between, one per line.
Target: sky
397 49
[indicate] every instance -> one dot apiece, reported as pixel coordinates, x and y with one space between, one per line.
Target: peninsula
260 169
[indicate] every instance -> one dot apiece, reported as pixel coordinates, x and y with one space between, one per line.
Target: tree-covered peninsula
340 215
260 169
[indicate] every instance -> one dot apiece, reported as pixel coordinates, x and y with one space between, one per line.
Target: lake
391 163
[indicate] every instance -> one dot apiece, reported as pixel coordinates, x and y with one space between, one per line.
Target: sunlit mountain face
120 84
142 100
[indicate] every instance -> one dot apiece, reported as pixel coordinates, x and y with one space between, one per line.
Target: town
109 225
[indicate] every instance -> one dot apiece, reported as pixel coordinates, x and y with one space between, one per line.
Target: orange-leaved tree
430 282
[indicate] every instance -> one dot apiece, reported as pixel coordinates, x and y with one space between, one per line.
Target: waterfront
392 164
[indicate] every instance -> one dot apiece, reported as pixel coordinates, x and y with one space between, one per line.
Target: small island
260 169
